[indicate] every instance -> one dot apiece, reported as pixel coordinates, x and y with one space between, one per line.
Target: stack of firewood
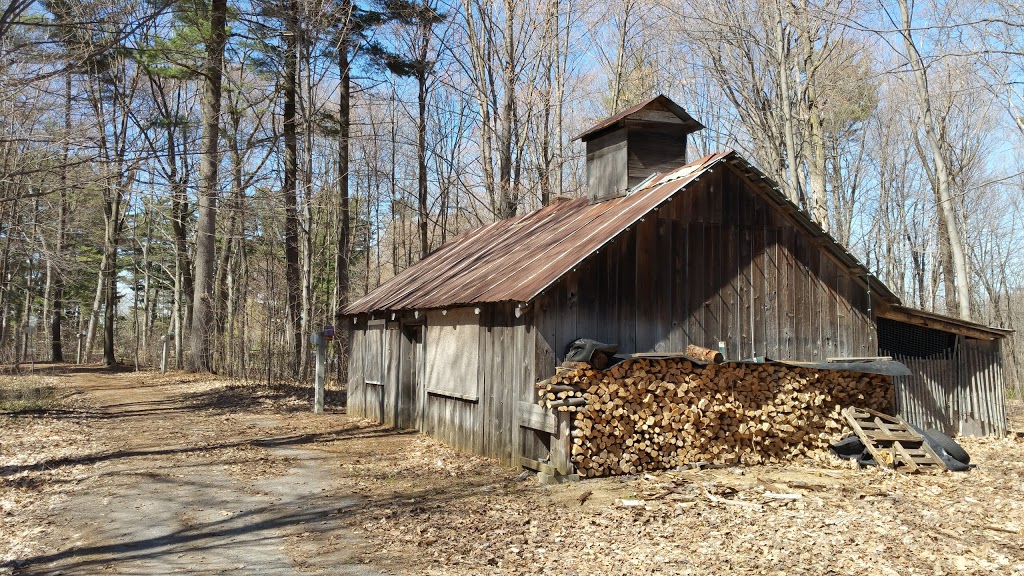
647 414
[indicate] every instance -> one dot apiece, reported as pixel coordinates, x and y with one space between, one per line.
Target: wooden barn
662 253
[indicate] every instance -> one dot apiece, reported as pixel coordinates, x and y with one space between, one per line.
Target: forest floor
138 473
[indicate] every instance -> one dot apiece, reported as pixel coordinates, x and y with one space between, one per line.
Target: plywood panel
745 294
696 289
759 296
677 298
449 369
731 315
588 316
711 291
568 313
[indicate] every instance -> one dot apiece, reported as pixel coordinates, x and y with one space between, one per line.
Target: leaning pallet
891 441
648 414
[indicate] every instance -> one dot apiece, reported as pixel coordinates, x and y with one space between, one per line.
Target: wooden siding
365 400
653 147
606 166
487 426
716 263
957 391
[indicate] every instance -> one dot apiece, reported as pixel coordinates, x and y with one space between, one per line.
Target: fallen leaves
438 511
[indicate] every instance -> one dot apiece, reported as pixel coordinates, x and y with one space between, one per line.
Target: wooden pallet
892 442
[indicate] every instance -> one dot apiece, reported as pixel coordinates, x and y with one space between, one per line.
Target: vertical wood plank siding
487 426
356 389
959 391
713 264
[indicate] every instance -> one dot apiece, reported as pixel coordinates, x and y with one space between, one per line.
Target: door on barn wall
375 370
408 379
534 424
392 370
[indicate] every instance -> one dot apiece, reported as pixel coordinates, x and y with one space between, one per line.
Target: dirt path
180 484
143 474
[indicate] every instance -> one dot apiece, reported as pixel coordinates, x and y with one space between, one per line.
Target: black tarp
883 367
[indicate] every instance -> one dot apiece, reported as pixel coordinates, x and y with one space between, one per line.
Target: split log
704 354
649 414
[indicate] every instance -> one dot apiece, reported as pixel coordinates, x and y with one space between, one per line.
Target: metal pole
321 372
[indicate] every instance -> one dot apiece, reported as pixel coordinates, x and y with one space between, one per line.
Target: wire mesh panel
901 339
956 386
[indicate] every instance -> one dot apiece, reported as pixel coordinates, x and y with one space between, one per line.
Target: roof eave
945 323
612 122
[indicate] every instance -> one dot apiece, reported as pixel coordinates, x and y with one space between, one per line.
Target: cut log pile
649 414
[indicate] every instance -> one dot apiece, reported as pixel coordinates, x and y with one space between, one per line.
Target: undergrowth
27 394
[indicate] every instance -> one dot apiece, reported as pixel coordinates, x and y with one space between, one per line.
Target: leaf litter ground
333 492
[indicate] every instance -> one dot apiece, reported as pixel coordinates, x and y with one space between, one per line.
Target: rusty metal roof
515 260
658 101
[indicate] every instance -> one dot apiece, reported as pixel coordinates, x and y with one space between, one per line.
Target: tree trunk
508 203
814 147
94 312
341 256
112 214
206 227
224 279
942 174
291 221
421 155
786 104
480 48
56 349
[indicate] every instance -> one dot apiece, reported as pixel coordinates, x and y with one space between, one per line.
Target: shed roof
659 102
938 321
515 260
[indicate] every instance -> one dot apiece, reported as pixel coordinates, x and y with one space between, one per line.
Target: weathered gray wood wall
606 166
488 425
653 147
716 263
957 391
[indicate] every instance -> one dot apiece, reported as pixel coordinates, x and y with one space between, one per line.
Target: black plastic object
583 349
950 446
851 448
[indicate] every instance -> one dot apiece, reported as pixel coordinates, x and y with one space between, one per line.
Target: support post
321 372
81 342
166 341
560 456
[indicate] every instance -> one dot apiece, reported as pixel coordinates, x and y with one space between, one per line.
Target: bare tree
939 164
